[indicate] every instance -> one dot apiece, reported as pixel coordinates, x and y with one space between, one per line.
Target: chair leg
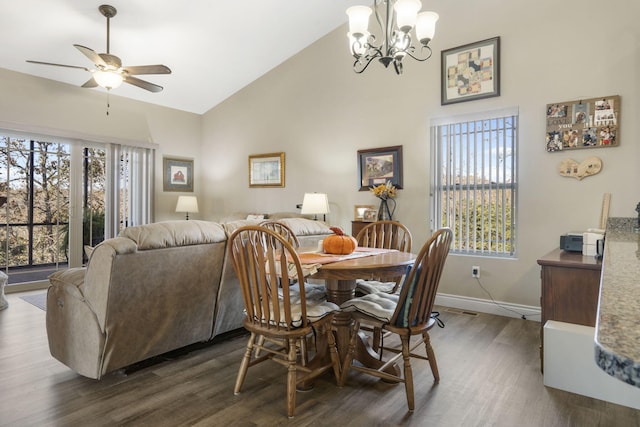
304 355
375 340
291 377
431 356
408 372
348 357
333 353
260 343
244 365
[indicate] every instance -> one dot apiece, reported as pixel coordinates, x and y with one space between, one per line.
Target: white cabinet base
569 365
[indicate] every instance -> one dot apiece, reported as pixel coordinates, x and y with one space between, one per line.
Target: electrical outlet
475 272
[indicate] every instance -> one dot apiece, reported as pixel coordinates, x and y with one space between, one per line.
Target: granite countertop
617 340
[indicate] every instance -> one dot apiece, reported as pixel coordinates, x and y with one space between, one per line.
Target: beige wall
316 110
53 108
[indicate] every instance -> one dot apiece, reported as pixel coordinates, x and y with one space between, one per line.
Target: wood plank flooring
489 368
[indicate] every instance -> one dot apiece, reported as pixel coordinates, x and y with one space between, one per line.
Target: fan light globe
108 79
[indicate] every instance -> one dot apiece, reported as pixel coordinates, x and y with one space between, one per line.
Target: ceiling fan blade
91 54
143 84
58 65
90 83
147 69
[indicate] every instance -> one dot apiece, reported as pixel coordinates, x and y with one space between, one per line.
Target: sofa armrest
70 281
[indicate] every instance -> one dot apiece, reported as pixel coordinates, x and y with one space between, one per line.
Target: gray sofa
153 289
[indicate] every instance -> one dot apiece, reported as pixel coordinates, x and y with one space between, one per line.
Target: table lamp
314 204
187 204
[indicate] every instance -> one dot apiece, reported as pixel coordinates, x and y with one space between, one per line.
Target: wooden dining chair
283 230
405 314
315 291
383 235
278 318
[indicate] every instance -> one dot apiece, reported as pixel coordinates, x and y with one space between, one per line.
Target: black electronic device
571 242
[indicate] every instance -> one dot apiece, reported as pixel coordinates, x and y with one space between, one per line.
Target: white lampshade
358 20
407 13
108 79
426 26
315 203
187 204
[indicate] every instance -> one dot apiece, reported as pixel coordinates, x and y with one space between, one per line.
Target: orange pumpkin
339 243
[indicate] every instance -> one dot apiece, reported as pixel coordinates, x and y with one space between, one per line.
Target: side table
356 226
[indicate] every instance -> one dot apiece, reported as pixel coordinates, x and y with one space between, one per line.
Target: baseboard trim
26 286
487 306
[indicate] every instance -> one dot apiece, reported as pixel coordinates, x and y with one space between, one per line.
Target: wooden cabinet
356 226
570 288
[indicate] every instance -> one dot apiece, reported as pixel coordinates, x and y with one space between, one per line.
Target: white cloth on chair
373 286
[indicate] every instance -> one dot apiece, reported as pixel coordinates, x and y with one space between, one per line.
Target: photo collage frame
587 123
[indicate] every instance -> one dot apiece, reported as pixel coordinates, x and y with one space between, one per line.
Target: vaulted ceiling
213 47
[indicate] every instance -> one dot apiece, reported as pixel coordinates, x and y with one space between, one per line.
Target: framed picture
370 215
266 170
471 71
379 165
585 123
359 210
177 174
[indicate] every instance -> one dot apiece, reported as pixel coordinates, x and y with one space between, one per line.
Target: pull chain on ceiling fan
109 72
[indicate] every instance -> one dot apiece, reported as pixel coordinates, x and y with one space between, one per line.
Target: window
474 182
57 195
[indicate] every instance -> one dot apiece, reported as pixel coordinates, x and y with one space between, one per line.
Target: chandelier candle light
400 18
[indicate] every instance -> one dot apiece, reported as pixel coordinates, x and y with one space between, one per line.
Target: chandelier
400 18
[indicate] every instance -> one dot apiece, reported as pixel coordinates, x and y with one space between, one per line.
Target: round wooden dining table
340 281
340 276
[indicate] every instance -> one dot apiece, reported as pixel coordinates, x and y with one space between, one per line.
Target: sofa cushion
230 227
276 216
174 233
306 227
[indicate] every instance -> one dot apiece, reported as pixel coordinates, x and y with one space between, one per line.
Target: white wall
316 110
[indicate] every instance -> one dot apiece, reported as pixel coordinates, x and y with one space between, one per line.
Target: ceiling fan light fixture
108 79
109 72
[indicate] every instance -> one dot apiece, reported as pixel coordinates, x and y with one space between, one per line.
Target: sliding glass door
41 183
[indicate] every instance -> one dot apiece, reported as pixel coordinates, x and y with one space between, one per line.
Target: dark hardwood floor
489 368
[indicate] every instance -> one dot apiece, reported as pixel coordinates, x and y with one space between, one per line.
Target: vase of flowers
386 193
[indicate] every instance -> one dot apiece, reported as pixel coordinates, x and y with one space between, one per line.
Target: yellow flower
384 191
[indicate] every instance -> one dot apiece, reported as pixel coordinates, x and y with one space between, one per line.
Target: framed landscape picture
266 170
379 165
177 174
471 71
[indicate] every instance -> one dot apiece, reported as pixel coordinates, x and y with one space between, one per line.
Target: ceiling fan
109 72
